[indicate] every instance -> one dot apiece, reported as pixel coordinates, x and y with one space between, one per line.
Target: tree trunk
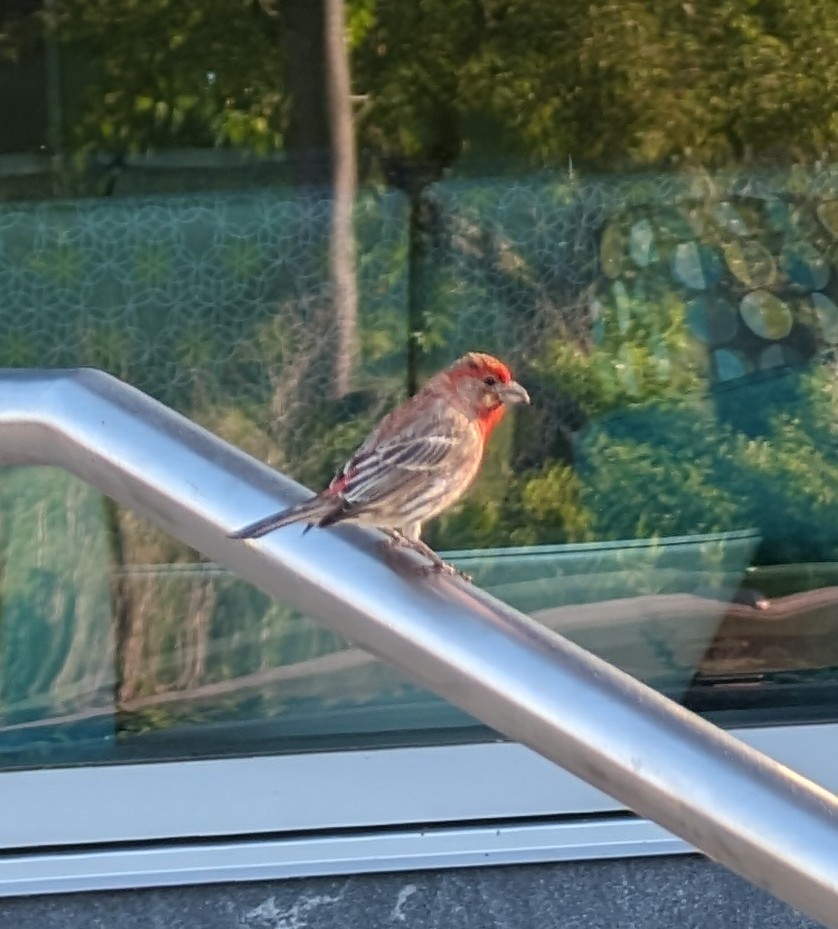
344 173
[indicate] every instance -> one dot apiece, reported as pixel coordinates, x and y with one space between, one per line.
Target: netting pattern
748 262
174 293
221 302
667 284
665 327
220 306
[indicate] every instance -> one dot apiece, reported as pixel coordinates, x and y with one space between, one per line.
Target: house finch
421 458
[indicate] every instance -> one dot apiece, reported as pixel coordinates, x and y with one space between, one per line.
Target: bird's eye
490 380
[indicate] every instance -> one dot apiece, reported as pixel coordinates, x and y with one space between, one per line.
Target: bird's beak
513 392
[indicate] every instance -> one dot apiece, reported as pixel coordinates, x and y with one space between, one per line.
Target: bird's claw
390 546
445 568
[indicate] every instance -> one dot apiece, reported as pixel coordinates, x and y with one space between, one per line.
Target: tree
165 73
613 85
344 182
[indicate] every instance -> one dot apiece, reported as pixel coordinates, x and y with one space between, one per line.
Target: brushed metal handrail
742 809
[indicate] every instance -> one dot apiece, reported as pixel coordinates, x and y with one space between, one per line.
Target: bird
419 460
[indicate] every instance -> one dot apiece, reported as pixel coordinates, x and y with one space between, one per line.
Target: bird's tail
309 511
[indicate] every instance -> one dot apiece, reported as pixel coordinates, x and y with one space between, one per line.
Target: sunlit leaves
164 73
612 84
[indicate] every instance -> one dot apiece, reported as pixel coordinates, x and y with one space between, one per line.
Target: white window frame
329 813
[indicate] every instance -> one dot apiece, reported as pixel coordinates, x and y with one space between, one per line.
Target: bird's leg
437 566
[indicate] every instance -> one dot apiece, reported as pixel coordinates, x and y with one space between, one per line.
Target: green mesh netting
675 333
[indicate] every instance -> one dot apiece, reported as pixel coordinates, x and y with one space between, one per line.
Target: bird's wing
404 463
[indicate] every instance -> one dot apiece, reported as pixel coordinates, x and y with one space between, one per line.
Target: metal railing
747 812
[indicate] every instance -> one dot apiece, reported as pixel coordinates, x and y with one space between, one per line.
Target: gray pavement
655 893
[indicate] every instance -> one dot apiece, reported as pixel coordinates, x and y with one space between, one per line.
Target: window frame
261 817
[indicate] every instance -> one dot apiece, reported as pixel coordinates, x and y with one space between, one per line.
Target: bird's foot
444 568
396 540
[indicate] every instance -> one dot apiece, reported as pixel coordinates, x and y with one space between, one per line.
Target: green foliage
167 73
688 275
793 476
360 19
552 505
658 361
671 469
661 470
611 84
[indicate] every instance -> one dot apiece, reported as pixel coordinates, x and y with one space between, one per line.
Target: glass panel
281 239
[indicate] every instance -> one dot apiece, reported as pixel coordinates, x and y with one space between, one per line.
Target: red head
486 386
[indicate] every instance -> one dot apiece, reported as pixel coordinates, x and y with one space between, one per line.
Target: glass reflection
280 221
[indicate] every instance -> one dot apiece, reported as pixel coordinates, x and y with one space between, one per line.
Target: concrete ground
652 893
